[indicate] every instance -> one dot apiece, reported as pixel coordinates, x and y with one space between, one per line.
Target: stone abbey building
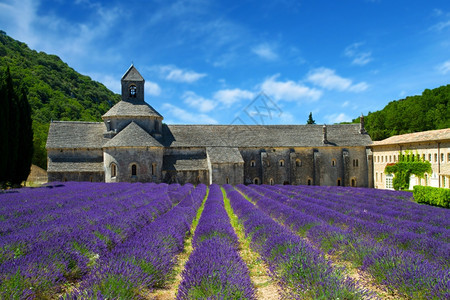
133 144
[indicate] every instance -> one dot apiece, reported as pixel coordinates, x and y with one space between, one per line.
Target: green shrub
431 195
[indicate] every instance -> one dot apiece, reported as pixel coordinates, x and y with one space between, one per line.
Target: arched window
133 170
228 180
256 180
113 170
298 162
333 162
252 163
153 169
309 181
133 91
338 183
271 181
281 163
353 182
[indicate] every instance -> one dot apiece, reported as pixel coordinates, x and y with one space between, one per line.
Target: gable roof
224 155
237 136
81 166
70 134
416 137
132 108
132 136
184 163
132 74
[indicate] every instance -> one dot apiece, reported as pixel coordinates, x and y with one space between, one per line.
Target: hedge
432 195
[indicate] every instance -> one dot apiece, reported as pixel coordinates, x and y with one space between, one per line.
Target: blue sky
205 62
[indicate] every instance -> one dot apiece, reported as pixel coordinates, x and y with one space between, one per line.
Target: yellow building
433 146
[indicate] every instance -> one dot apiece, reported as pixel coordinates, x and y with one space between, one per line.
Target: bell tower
132 85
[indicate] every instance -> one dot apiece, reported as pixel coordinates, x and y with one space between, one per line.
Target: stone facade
134 145
433 146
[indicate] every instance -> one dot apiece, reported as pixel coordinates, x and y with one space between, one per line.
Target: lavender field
159 241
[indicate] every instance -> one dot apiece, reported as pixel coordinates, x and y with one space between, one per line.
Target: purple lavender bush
300 268
214 269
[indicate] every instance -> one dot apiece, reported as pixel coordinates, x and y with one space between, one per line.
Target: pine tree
310 119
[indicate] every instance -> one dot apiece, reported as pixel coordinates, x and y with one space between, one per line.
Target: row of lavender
413 262
144 261
52 236
214 269
300 269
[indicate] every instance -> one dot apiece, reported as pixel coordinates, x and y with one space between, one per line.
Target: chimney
362 130
324 131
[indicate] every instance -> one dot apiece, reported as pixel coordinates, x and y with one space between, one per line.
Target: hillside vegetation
428 111
55 91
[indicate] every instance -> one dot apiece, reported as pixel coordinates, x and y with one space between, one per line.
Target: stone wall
227 173
124 158
76 176
183 177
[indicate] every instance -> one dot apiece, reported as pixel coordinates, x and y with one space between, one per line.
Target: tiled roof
416 137
345 135
184 163
132 136
75 166
132 108
68 134
224 155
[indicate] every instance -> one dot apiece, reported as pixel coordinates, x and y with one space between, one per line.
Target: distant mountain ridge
428 111
55 91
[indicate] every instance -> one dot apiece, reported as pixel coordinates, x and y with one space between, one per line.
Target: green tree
16 133
310 119
25 139
4 123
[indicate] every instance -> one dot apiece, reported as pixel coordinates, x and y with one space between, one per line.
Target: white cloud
346 103
337 118
152 88
444 68
441 25
198 102
328 79
289 90
229 97
265 51
173 73
358 57
182 116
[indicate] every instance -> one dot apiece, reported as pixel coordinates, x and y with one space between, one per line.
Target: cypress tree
310 119
4 123
12 128
16 134
25 139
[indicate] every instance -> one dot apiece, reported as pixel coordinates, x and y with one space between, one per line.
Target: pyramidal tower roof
132 74
132 106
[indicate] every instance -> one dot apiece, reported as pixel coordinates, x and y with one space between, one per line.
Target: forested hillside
55 91
428 111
